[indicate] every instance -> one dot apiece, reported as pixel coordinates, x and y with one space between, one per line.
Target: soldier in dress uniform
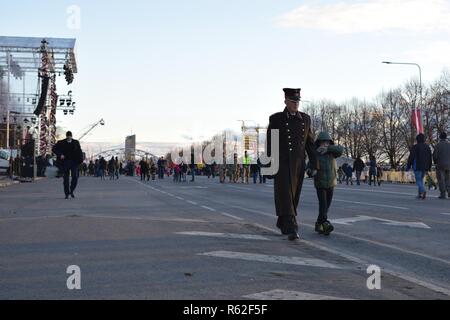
296 139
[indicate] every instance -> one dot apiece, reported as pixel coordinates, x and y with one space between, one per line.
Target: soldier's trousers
287 224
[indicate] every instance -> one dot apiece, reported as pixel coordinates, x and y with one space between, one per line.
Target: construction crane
92 127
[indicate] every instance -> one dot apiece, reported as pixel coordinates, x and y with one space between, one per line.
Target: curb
7 184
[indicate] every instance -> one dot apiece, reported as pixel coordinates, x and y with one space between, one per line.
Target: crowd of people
371 172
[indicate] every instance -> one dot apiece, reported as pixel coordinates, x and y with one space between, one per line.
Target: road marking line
208 208
309 262
279 294
360 261
224 235
191 202
447 214
350 221
371 204
144 218
390 246
248 189
254 211
180 198
231 216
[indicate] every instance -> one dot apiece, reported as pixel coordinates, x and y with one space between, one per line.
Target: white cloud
421 16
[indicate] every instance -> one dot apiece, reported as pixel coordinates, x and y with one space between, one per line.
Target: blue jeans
420 175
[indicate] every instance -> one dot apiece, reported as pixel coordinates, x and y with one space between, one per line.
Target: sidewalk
6 181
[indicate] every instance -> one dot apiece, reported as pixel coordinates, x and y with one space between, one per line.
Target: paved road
205 240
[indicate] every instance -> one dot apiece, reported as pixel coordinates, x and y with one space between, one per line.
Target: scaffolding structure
28 94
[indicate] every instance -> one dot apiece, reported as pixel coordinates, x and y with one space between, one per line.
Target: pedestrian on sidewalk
246 167
117 168
143 169
184 172
153 170
348 171
111 168
430 182
379 175
254 169
420 160
358 167
441 158
372 170
101 168
340 173
325 179
70 156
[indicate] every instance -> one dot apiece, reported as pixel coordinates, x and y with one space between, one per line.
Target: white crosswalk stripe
224 235
279 294
309 262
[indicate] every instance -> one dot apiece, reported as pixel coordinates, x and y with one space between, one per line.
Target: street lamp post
420 83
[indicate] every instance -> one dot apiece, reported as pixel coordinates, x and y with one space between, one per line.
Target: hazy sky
168 69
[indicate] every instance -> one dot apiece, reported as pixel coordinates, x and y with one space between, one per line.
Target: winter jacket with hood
327 169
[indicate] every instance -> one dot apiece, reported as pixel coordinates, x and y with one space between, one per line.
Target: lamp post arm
90 129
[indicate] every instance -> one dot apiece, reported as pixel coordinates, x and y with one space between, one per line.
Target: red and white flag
416 119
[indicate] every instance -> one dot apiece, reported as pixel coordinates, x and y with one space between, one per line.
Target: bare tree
392 127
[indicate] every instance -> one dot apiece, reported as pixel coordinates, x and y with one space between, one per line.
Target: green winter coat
327 168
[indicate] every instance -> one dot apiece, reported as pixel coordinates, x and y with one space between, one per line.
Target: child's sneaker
327 228
324 228
319 228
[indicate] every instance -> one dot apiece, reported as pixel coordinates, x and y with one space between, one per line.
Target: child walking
326 179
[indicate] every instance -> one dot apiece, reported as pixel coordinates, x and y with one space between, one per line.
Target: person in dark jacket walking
372 170
326 179
348 171
358 167
254 170
144 169
441 157
379 175
111 168
295 140
70 156
420 160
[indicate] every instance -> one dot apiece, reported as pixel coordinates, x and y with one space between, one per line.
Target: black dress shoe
293 236
72 195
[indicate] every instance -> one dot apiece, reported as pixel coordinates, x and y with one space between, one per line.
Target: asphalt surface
206 240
